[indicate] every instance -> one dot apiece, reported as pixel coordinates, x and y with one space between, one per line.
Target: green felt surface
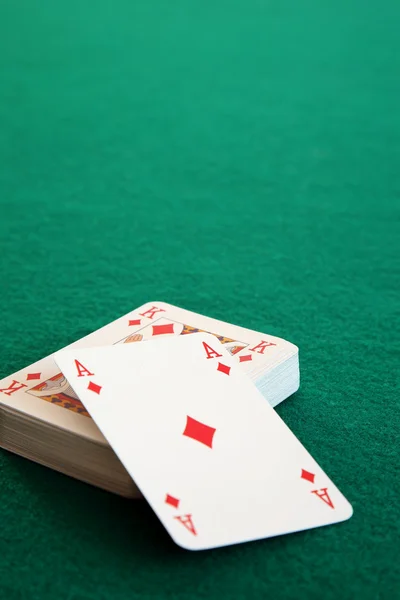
240 159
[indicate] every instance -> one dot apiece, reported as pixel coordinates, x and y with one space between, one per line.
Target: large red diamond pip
199 431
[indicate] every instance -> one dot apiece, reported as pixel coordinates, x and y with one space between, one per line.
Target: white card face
40 389
213 459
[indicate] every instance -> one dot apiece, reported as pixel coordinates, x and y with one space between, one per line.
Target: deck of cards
184 417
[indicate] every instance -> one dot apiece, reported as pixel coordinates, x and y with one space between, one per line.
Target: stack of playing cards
42 418
183 419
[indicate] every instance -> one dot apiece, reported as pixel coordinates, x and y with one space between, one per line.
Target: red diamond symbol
161 329
245 358
134 322
32 376
199 431
223 368
93 387
172 501
307 475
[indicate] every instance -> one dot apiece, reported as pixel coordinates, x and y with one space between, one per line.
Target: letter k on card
210 455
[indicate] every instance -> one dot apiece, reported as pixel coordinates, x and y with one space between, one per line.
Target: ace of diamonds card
213 459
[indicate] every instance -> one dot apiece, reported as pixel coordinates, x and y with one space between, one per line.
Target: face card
213 459
41 391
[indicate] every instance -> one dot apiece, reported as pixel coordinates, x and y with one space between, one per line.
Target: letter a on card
323 494
82 371
210 352
186 520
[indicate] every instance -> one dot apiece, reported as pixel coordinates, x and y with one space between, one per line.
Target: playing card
41 391
213 459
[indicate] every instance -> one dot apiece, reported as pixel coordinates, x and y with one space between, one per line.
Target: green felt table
239 159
